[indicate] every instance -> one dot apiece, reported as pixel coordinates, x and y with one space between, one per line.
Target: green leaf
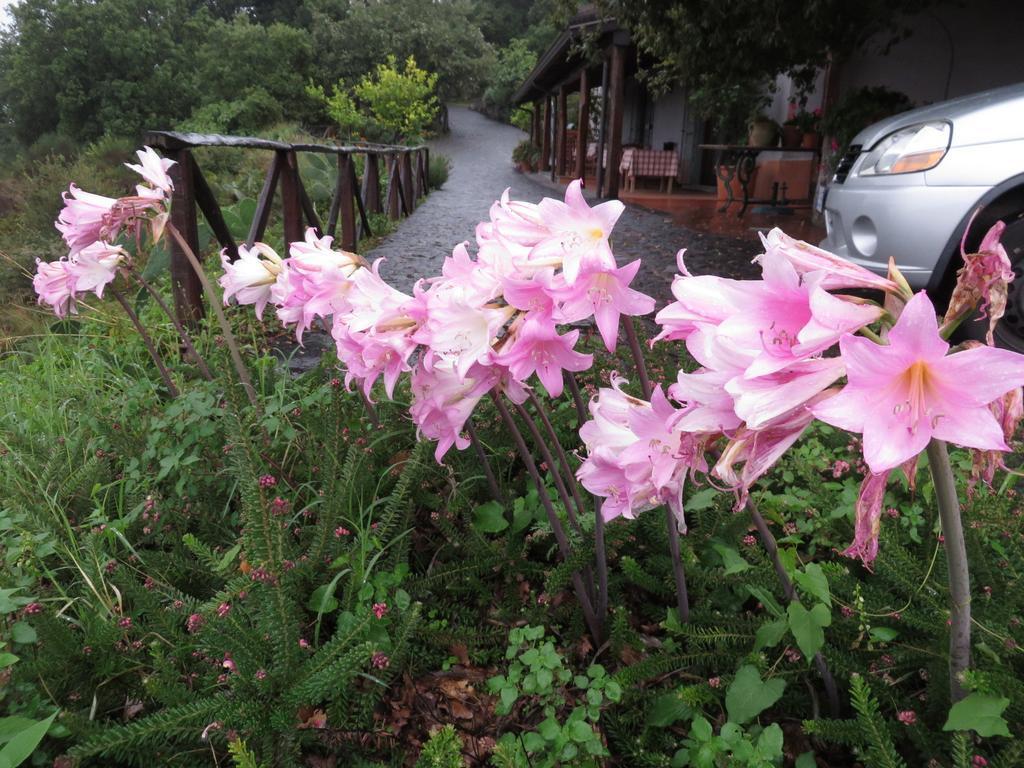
749 696
769 743
813 581
22 745
980 713
549 729
764 597
807 626
323 600
702 499
668 709
700 729
883 634
768 635
7 659
402 600
580 731
731 559
22 632
509 696
806 760
490 518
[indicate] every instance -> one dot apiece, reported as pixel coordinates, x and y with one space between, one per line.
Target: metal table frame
738 161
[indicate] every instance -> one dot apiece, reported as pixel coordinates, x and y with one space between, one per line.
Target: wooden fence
352 201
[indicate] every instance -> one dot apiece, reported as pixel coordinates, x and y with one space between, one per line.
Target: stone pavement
480 151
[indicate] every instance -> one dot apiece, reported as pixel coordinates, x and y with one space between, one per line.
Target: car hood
977 117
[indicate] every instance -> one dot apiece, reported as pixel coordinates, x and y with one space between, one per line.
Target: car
910 186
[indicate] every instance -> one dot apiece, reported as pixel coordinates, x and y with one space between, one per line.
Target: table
662 164
738 161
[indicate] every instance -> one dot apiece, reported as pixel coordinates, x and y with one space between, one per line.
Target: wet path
480 151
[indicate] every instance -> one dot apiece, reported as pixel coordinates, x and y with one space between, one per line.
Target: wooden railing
406 183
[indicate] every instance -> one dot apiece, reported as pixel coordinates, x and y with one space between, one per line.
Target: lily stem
148 341
186 338
481 454
671 525
956 565
556 525
214 298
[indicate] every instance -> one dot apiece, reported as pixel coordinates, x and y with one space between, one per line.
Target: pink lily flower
95 266
868 518
54 284
577 233
537 348
903 394
606 295
700 300
983 281
757 450
86 218
443 401
251 277
806 258
153 169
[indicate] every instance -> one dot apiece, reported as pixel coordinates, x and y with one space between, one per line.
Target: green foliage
758 748
980 713
400 101
437 170
749 695
514 62
538 680
859 109
442 750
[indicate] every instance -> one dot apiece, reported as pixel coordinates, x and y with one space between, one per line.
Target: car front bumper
870 220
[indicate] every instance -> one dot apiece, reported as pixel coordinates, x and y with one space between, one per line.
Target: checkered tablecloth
649 162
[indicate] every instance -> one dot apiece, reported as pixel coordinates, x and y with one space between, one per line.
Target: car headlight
908 150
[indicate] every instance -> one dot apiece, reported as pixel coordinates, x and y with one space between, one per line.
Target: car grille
846 163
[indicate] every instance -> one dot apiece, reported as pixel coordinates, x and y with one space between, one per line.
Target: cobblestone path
480 150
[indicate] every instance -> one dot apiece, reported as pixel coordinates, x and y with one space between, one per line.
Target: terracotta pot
763 134
523 167
737 188
809 141
792 136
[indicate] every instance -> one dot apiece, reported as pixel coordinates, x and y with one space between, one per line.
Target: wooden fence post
394 186
371 183
185 284
347 194
408 182
291 202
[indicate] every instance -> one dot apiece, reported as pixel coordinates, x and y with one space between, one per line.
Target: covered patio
593 118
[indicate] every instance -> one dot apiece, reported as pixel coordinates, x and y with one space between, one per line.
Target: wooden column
617 88
371 183
535 124
545 140
561 161
582 124
188 290
602 135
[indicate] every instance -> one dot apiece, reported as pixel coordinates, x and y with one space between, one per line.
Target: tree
711 45
515 61
442 36
93 68
401 102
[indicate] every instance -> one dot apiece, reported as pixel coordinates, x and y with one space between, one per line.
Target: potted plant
792 133
526 156
764 132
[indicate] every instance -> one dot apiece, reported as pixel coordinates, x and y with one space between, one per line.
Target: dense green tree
515 61
442 36
502 20
102 67
252 75
712 45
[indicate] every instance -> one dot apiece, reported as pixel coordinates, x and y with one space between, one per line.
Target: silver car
907 186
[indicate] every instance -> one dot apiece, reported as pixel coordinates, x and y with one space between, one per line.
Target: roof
560 62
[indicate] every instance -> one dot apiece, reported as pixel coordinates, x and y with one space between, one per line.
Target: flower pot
523 167
763 134
810 140
792 136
